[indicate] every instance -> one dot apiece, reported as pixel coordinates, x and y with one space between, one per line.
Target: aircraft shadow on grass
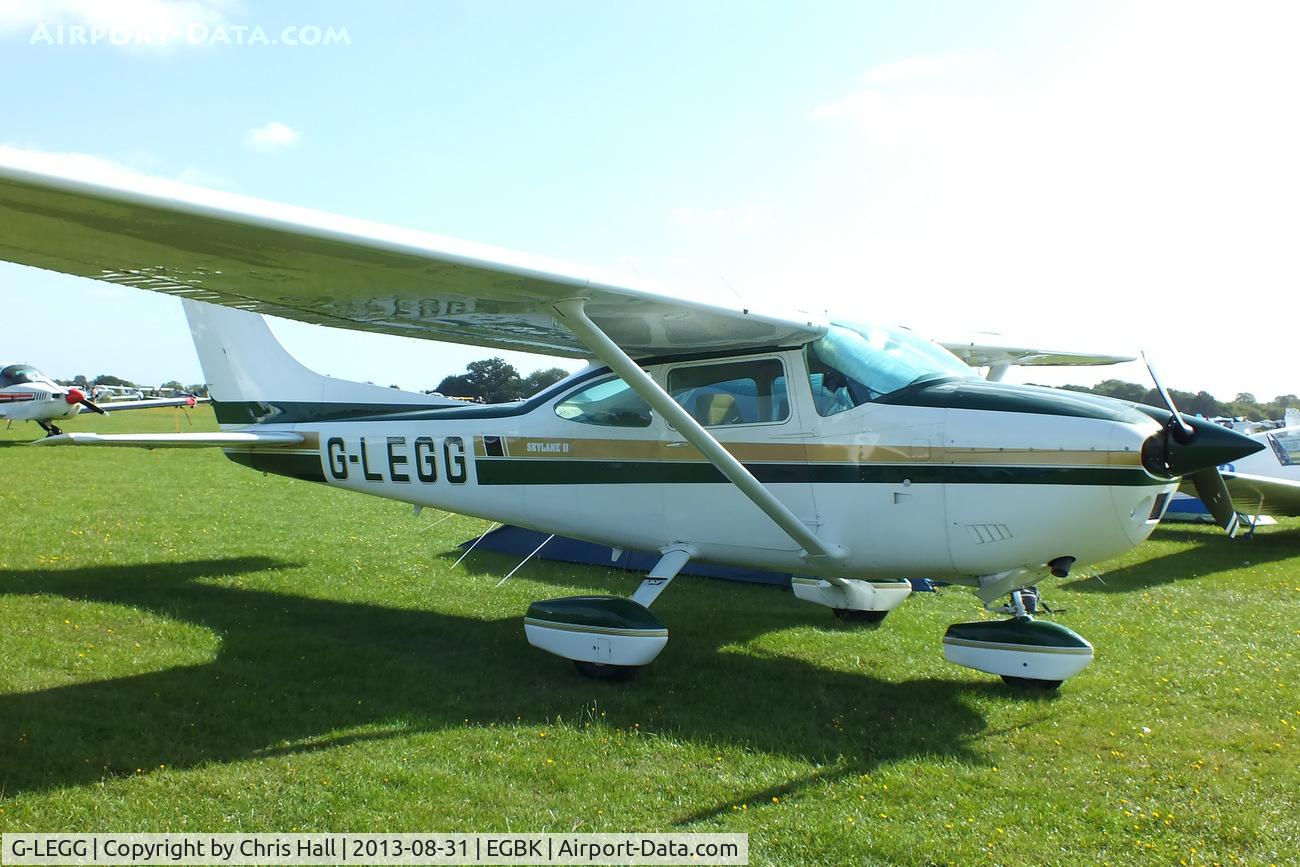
290 671
1211 553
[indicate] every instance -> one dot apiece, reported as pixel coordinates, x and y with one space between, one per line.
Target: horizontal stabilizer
175 441
152 403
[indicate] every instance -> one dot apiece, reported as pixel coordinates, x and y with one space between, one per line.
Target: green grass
188 645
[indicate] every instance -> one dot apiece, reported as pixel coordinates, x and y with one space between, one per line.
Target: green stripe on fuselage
295 465
585 472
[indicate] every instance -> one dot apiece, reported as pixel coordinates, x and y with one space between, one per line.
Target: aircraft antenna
734 290
433 524
475 545
511 573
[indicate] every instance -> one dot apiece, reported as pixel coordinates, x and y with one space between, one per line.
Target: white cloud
749 218
136 16
69 163
927 66
272 137
101 169
1141 190
201 178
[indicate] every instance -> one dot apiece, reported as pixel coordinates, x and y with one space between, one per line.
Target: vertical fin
243 362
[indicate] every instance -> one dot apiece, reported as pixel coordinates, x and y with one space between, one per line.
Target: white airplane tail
252 379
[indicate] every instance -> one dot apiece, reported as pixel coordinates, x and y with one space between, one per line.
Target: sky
1080 175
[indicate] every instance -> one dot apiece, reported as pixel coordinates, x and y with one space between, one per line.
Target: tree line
492 380
1201 403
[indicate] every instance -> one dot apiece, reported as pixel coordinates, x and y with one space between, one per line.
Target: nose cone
1209 446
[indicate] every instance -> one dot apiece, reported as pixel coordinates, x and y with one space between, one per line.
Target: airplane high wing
1263 494
330 270
997 353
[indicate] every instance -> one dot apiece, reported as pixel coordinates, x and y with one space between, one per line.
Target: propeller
1208 482
76 395
1178 426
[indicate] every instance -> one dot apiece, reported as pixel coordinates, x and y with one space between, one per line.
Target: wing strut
575 318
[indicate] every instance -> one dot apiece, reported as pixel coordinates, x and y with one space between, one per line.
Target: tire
598 671
866 618
1030 683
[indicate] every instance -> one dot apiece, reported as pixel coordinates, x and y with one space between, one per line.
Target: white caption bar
374 849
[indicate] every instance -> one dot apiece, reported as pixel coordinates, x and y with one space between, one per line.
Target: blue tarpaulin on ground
521 542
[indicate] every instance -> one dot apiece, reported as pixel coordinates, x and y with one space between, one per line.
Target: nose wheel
1031 683
1027 653
605 671
50 428
859 618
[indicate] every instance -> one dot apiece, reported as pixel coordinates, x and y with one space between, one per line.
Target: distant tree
173 385
80 381
540 379
494 380
1277 407
105 379
1117 388
456 386
1203 403
1246 406
200 389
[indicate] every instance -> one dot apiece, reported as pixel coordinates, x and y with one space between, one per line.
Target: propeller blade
92 407
1213 492
1182 431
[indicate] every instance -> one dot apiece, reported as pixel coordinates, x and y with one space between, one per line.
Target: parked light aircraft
26 394
850 454
1268 481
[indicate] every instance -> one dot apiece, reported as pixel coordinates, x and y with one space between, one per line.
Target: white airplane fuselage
36 401
967 479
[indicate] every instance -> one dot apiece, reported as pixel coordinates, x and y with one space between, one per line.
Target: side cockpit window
609 402
853 365
740 392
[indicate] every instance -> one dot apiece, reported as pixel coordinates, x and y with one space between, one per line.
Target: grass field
186 645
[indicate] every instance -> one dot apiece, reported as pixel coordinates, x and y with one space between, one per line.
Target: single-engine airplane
851 454
26 394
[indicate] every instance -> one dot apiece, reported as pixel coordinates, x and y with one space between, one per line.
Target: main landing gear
607 637
1027 653
852 600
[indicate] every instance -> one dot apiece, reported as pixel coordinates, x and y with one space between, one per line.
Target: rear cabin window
609 402
739 392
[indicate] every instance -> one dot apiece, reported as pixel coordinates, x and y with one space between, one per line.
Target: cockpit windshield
18 374
856 364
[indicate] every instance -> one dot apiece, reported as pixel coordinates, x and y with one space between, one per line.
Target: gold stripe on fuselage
658 450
